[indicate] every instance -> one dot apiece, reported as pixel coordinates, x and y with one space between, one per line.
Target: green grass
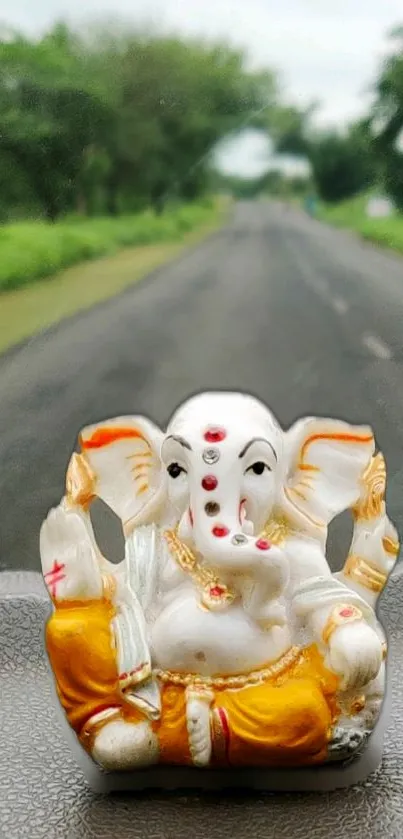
34 250
351 214
34 307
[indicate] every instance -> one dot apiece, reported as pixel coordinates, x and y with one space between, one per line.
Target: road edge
149 276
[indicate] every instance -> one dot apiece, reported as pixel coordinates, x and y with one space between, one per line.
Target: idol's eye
259 467
174 470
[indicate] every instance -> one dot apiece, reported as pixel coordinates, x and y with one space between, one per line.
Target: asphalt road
306 317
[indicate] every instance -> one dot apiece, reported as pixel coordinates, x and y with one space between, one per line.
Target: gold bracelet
339 617
80 482
362 572
390 546
373 482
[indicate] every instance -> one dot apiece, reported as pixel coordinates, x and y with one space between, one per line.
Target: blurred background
245 158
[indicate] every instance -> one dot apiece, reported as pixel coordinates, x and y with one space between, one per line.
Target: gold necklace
214 594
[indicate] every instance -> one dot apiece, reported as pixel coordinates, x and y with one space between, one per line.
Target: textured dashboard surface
43 792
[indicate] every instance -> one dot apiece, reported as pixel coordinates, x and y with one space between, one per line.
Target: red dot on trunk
220 530
215 435
347 612
263 544
209 483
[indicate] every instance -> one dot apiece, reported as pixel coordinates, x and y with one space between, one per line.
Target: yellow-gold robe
285 720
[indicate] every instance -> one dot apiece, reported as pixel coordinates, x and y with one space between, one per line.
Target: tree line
113 122
343 163
369 153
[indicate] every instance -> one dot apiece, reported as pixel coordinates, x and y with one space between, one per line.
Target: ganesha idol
222 638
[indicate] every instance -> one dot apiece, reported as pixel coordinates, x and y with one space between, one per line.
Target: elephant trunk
227 547
226 544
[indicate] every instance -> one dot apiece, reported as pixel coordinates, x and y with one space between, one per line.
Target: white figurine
222 638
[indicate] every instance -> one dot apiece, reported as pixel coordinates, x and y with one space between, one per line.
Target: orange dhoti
285 720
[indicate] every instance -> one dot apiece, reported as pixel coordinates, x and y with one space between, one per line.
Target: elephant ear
121 459
325 460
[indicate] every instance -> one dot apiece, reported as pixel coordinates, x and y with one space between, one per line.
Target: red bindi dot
263 544
220 530
215 435
347 612
209 483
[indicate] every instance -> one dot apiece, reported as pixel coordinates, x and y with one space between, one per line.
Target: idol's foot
198 705
121 745
346 743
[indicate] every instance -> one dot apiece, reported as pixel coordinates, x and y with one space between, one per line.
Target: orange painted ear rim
123 454
360 435
335 437
106 435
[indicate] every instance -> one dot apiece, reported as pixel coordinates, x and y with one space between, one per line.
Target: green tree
117 121
49 116
174 102
387 120
342 165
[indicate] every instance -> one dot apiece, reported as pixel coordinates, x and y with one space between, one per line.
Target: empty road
305 317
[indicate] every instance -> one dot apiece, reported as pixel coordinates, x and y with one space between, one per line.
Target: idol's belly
188 638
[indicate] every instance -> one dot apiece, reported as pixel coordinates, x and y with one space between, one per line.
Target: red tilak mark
215 435
347 612
217 591
209 483
220 530
190 517
263 544
55 576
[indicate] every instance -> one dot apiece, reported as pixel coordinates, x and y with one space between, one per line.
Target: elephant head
222 468
223 454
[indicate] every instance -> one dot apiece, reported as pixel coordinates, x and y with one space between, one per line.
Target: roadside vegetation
105 160
34 250
35 307
352 215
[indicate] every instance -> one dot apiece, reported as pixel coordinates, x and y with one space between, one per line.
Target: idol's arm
341 622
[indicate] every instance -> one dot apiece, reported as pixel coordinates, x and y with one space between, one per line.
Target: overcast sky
327 50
